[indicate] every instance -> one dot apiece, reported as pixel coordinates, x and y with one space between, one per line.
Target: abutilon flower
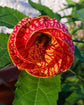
41 46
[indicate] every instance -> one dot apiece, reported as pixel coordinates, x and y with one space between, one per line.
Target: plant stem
6 84
78 41
39 1
76 75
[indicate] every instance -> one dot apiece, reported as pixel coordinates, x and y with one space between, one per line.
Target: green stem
78 41
39 1
76 75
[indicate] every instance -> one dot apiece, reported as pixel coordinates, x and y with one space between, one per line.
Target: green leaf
81 1
72 79
10 17
80 102
44 10
82 25
4 56
70 2
36 91
39 1
78 54
81 14
73 98
69 87
75 30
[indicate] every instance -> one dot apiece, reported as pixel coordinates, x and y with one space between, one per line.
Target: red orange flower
41 46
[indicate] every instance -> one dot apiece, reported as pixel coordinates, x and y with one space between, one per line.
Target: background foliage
69 89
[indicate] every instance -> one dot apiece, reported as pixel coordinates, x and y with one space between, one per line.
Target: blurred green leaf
36 91
73 4
4 56
80 102
72 79
73 98
75 30
82 25
72 20
69 87
78 54
70 2
10 17
74 13
81 14
45 10
81 1
39 1
67 6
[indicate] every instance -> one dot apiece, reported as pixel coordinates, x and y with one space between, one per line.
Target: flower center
37 50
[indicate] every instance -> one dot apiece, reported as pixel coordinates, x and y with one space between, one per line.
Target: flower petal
27 50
